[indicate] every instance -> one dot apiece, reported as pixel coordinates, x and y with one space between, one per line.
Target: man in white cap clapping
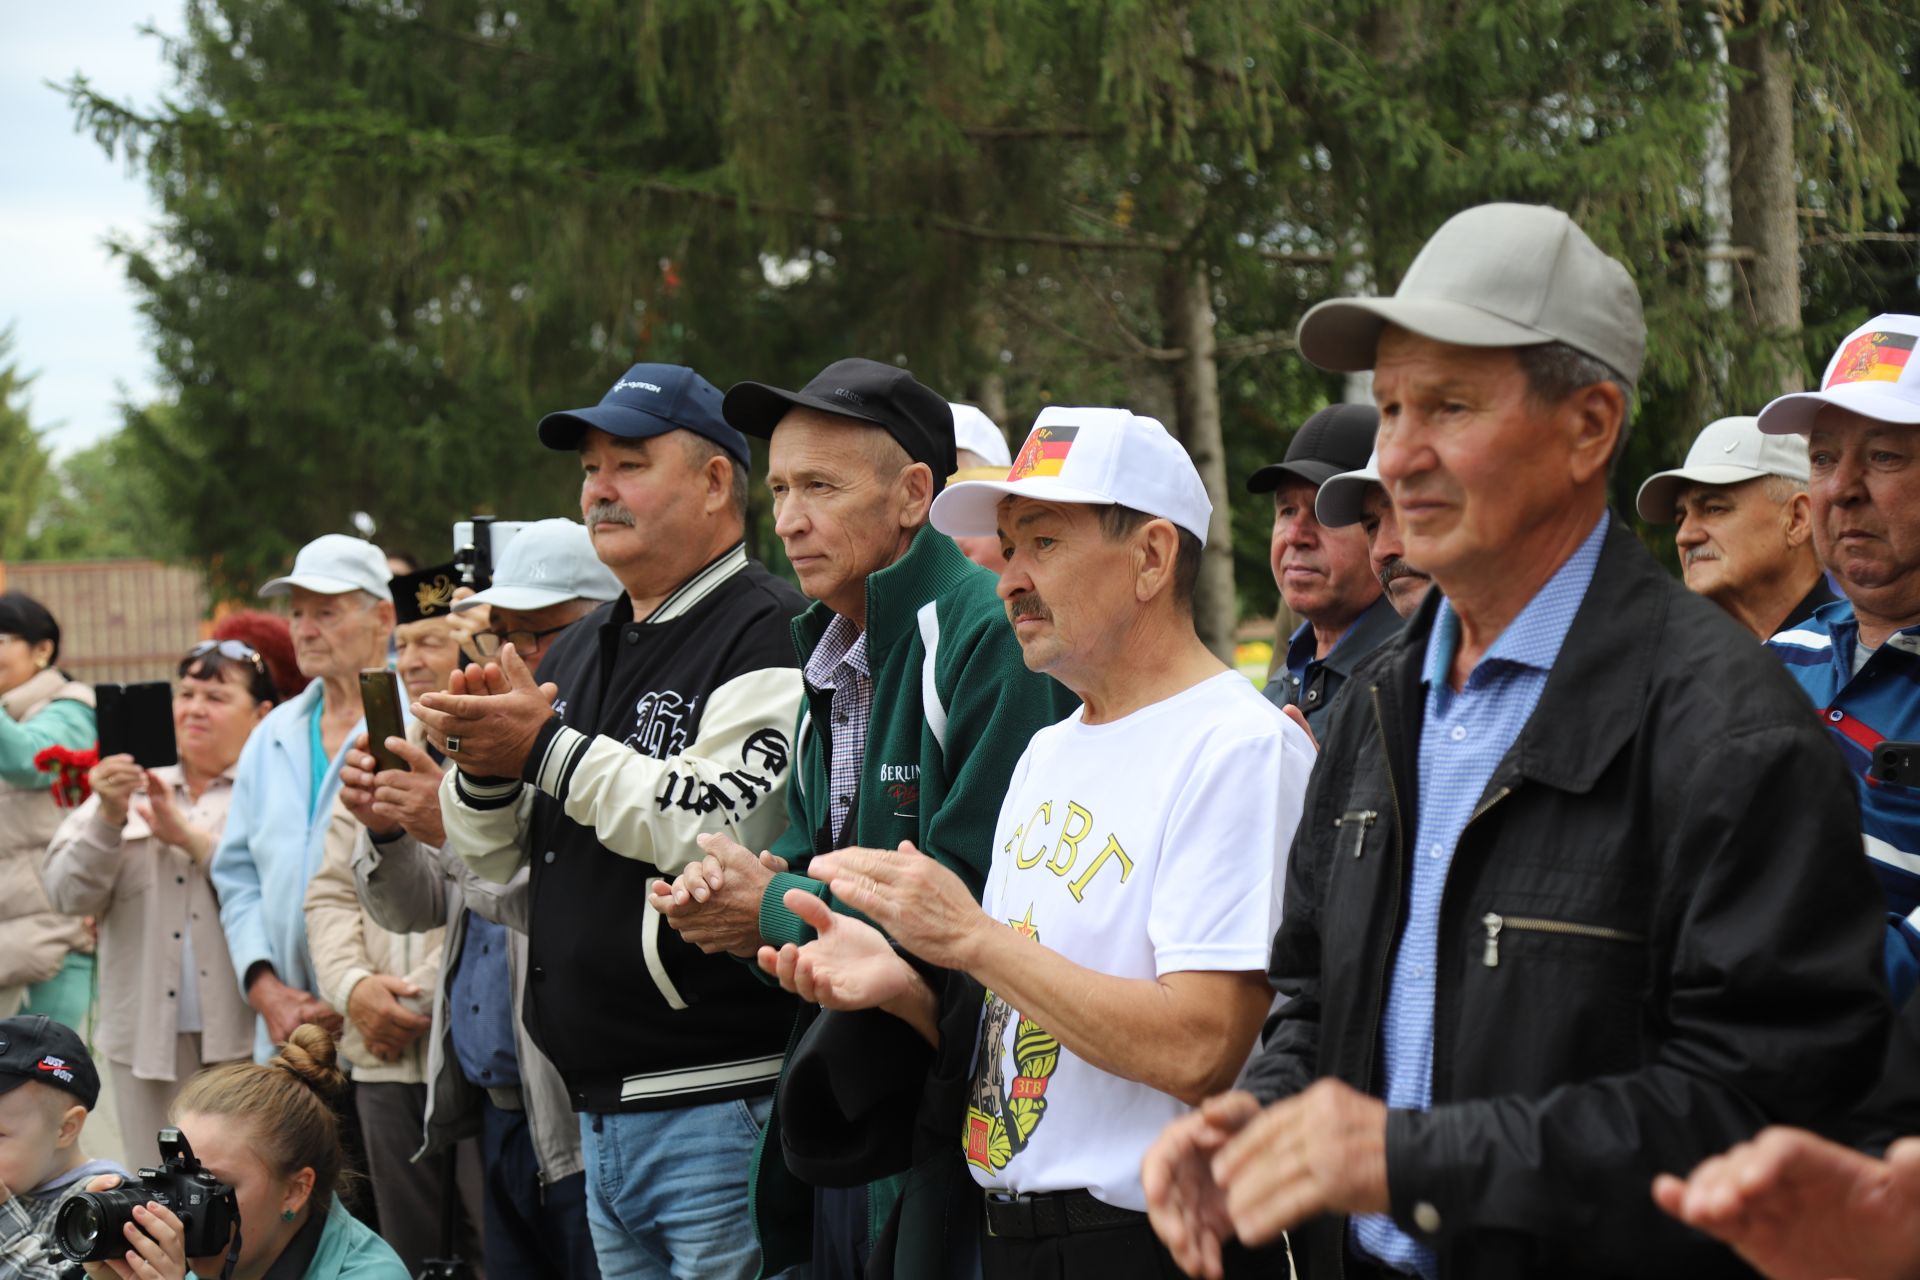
1746 533
1120 941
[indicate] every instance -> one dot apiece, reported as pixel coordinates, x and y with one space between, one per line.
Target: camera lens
89 1226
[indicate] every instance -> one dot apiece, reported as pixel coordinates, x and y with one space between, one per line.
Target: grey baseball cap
1497 275
1727 451
1340 501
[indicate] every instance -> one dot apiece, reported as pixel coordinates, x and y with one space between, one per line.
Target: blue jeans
667 1190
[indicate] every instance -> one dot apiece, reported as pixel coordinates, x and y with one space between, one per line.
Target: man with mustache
1859 658
1322 573
917 707
1358 497
1574 899
667 714
1746 532
1111 977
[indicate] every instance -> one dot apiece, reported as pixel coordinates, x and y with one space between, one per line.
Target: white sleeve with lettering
731 777
486 823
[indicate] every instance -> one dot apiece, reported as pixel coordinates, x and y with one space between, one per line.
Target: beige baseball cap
1497 275
1728 451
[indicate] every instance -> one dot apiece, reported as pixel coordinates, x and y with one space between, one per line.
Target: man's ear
1156 550
718 472
1594 416
915 487
1797 517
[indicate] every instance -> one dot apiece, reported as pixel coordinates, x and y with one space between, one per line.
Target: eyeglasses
488 642
234 650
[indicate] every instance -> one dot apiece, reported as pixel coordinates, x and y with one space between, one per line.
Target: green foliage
23 456
104 503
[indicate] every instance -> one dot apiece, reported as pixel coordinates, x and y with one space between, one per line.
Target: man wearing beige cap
1562 913
1110 975
1746 533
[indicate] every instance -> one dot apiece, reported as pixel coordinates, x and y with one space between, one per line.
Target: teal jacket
349 1250
953 709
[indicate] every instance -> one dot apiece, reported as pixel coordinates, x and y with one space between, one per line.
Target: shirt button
1426 1217
1434 852
1313 695
633 637
1459 733
1836 716
549 855
179 879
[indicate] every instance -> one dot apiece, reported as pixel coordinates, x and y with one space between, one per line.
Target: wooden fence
119 619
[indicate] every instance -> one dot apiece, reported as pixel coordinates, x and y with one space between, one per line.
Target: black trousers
531 1232
1117 1253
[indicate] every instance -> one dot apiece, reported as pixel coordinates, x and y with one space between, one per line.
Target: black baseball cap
1336 439
650 400
426 594
35 1047
866 390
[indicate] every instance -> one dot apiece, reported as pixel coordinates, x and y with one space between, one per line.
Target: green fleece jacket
953 709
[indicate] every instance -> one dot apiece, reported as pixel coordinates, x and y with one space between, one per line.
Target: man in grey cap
1322 573
1562 915
1746 525
1358 497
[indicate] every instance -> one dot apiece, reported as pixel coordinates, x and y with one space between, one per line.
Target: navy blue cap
650 400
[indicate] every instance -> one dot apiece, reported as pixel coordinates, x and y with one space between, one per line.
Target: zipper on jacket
1356 821
1496 923
1399 866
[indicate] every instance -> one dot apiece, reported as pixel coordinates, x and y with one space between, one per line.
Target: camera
90 1225
477 546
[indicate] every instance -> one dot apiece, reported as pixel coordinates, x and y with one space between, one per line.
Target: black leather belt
1054 1213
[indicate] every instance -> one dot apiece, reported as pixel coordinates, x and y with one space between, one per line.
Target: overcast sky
68 301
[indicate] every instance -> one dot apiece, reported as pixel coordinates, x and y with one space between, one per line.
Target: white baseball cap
334 564
975 432
549 562
1876 372
1729 451
1338 503
1100 457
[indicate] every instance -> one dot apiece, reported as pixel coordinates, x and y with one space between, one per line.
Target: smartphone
1896 762
136 720
380 697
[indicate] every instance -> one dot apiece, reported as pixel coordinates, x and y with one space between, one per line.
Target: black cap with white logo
866 390
35 1047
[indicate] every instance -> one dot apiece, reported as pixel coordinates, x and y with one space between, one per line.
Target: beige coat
34 940
348 946
145 894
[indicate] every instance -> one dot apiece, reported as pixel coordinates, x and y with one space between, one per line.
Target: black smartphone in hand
136 720
1896 762
380 698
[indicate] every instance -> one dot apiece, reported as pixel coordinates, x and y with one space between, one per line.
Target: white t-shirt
1151 845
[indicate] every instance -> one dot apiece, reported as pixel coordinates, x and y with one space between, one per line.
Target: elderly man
1126 918
1323 573
1746 532
288 776
1358 497
484 1074
665 715
917 707
1546 873
1859 658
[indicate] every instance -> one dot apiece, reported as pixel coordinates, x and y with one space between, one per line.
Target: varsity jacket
953 709
665 728
1880 704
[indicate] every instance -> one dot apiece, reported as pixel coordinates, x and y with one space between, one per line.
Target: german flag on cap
1877 356
1044 452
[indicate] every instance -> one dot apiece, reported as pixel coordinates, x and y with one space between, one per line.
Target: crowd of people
960 914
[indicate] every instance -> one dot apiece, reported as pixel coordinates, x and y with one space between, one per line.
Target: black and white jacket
665 728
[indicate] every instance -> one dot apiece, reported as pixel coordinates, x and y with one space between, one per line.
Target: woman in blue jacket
268 1131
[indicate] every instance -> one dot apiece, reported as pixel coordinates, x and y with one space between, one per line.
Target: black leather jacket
1658 934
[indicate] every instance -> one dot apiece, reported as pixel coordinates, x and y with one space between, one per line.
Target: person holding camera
48 1087
135 857
268 1135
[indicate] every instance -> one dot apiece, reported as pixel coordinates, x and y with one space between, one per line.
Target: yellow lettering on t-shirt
1068 849
1041 815
1112 850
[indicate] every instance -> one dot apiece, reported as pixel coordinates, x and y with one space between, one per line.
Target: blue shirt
480 1007
1463 738
1882 703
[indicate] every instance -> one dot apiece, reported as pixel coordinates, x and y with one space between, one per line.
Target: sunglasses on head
232 649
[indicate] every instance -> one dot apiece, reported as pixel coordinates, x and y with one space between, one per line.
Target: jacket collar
37 690
1584 717
932 567
1376 623
291 727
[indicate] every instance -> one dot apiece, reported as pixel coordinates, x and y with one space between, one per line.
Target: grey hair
1782 489
1555 371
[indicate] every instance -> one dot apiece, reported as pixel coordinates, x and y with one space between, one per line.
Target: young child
47 1086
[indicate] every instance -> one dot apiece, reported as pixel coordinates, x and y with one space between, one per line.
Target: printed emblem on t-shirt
1002 1115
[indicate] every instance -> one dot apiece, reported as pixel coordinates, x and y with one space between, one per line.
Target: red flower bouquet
69 769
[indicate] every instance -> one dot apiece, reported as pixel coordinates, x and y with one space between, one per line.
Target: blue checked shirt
839 663
1463 738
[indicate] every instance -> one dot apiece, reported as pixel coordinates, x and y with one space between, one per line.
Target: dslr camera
89 1226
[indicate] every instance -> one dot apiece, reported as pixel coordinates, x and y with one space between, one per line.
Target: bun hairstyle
288 1104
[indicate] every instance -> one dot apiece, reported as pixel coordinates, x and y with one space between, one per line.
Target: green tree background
395 235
